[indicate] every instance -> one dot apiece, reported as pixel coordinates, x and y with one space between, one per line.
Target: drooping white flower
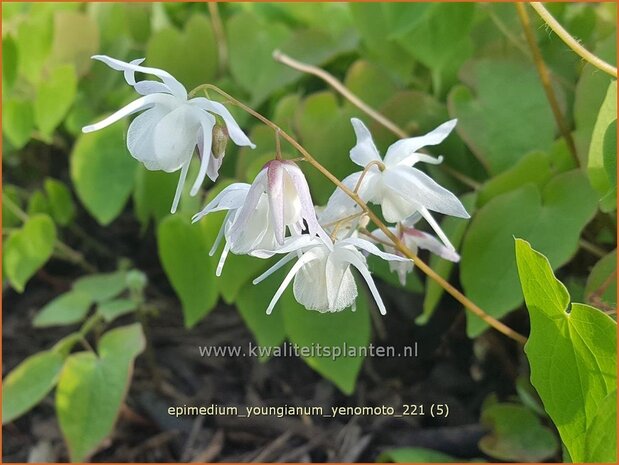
393 183
278 200
323 279
413 239
230 199
165 135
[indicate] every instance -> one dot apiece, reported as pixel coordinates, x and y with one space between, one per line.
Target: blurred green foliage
417 63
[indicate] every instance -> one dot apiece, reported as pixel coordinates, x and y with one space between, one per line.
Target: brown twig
364 107
544 75
571 42
220 36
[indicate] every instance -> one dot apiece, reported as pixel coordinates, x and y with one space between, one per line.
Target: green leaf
103 172
28 249
55 95
34 38
551 219
608 203
27 384
91 390
516 435
37 203
102 286
115 308
601 287
591 90
252 302
445 24
454 228
377 22
595 166
532 168
60 201
197 63
252 40
601 438
183 252
580 371
9 63
489 119
153 195
324 127
345 330
9 218
66 309
17 121
415 455
76 39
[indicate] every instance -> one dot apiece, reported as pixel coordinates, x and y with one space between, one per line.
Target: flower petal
428 242
305 258
437 229
410 183
364 151
141 136
137 105
230 198
179 186
281 263
292 244
248 210
356 259
371 248
234 131
399 151
205 139
275 193
340 284
175 87
176 136
308 212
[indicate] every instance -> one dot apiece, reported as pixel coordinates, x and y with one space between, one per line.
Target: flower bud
220 139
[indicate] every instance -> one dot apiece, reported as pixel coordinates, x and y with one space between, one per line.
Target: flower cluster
275 215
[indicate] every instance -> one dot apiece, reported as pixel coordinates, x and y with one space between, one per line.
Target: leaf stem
544 75
399 245
571 42
67 252
220 36
364 107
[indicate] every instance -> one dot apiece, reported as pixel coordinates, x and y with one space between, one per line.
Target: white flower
414 240
279 199
231 199
165 135
393 183
323 278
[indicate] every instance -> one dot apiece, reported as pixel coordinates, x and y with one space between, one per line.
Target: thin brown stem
368 167
220 36
544 75
399 245
364 107
571 42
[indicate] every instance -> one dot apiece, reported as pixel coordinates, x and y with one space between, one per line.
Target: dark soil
450 369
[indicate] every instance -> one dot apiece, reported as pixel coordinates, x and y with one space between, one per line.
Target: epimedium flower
230 199
279 200
400 189
165 135
323 279
413 239
260 214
